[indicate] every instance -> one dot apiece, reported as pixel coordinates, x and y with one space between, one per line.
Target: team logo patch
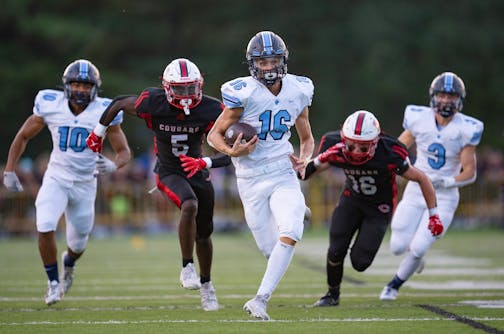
49 97
384 208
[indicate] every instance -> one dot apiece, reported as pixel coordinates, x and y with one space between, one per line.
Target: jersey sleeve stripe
231 102
142 97
401 151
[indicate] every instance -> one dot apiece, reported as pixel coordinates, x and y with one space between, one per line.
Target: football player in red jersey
180 115
370 161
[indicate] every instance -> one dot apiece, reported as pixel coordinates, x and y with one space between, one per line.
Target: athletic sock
52 272
68 261
278 263
185 262
396 282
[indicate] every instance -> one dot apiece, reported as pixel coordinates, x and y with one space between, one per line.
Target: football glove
435 225
11 182
332 154
192 165
443 182
94 142
104 165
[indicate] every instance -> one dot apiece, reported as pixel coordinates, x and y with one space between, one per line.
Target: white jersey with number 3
71 159
272 117
438 148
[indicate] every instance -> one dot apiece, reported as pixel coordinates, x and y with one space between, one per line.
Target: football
234 130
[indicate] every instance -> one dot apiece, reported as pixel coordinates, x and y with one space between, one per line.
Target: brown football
234 130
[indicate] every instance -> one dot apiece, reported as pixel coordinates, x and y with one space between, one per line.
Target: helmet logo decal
267 42
183 69
448 84
83 69
358 124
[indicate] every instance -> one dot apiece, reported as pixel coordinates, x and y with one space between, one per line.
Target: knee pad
78 243
398 246
360 263
335 256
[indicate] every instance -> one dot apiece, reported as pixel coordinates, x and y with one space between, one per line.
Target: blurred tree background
374 55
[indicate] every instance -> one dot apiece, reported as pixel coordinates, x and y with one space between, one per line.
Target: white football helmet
360 132
182 82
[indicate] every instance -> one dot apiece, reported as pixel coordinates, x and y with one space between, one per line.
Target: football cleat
53 294
188 277
327 300
256 307
208 298
389 293
67 275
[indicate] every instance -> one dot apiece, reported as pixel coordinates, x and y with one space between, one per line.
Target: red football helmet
182 82
360 134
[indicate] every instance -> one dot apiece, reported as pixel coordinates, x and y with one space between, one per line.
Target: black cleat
327 300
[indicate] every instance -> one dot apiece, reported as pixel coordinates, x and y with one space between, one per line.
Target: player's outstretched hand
332 154
11 182
299 165
443 182
104 165
192 165
94 142
435 225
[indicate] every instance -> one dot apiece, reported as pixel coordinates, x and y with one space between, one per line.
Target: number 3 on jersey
275 124
438 152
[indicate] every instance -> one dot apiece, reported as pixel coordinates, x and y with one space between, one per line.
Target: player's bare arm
307 143
406 137
31 127
414 174
468 162
119 144
215 137
124 102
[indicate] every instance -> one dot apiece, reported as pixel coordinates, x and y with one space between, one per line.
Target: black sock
204 279
396 283
52 271
185 262
68 261
334 292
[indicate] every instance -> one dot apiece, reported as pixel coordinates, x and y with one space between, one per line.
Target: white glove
104 165
11 182
443 182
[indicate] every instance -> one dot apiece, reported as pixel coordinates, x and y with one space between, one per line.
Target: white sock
278 263
408 266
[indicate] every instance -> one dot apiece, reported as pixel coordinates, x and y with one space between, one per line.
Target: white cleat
188 277
208 298
256 307
67 275
389 293
53 294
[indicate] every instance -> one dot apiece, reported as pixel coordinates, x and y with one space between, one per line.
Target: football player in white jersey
446 141
272 101
69 184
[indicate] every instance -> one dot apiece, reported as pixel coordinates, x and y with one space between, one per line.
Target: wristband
208 162
433 211
100 130
316 161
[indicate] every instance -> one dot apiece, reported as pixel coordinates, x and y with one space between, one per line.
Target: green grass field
129 284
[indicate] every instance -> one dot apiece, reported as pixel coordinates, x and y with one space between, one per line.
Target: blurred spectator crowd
127 200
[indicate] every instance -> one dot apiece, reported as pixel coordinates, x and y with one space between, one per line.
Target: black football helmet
267 44
450 83
81 70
